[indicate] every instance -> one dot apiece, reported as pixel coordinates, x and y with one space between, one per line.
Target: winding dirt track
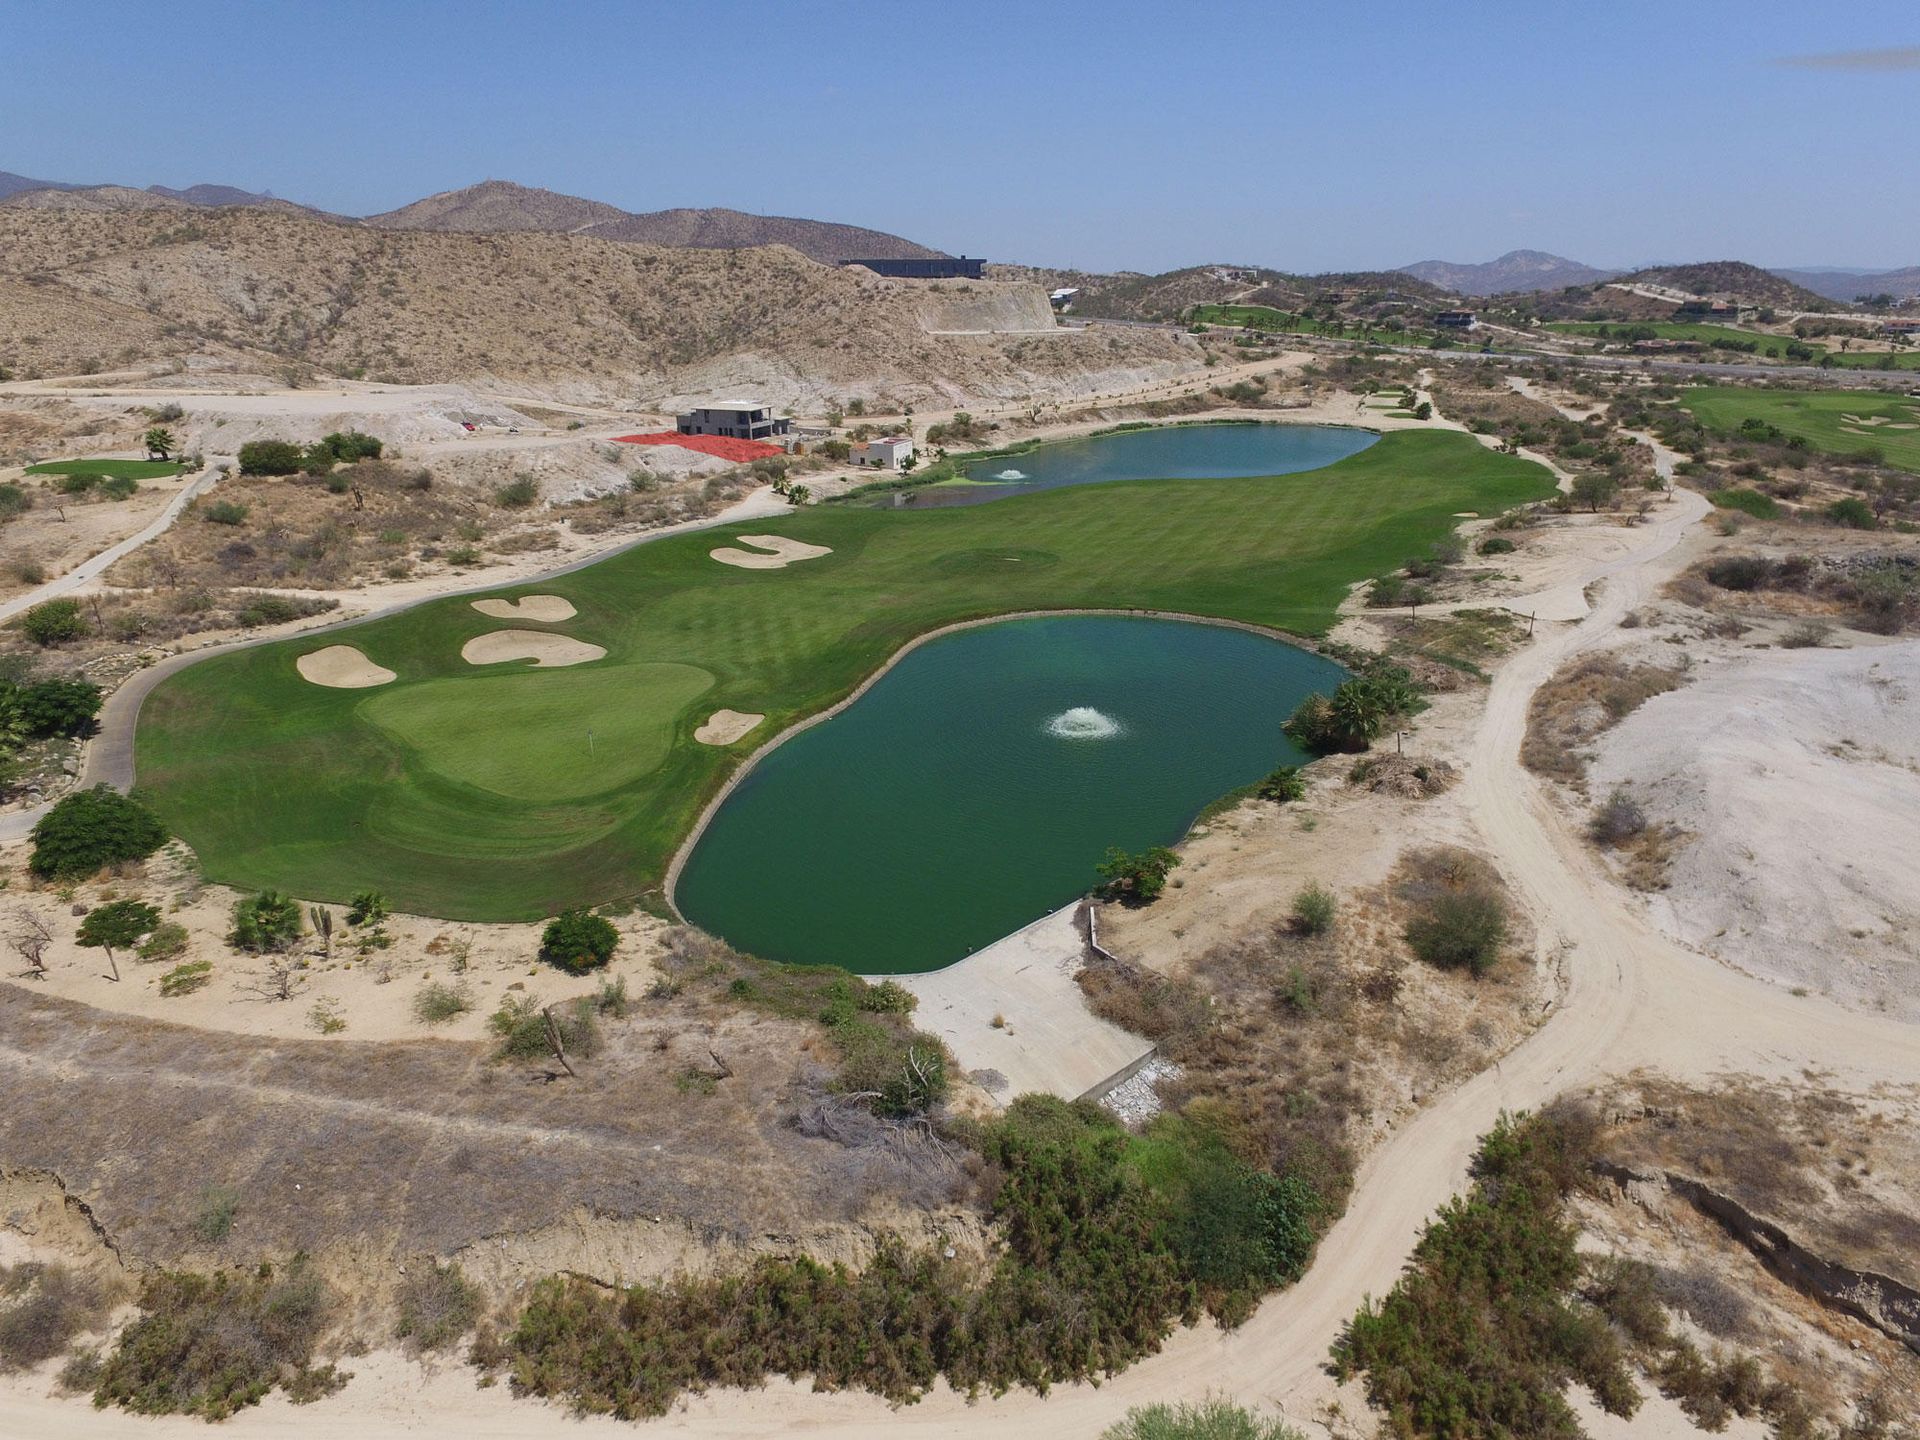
1631 998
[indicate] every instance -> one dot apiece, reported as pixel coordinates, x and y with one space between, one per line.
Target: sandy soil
342 667
1796 777
543 608
723 727
785 552
542 649
44 538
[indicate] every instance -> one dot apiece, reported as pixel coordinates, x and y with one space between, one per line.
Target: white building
887 453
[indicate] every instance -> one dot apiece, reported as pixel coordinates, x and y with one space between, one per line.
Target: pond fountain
1083 722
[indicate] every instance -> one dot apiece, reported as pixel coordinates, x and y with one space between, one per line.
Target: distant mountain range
1515 270
498 206
1848 285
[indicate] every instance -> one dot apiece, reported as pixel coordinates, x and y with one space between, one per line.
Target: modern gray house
736 420
940 267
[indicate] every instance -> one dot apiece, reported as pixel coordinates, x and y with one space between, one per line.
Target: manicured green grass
463 792
125 469
1829 420
1771 347
1266 318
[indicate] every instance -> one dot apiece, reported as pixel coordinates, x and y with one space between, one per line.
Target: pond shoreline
733 781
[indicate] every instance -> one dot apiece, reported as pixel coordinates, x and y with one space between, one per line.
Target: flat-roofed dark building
1454 319
739 421
944 267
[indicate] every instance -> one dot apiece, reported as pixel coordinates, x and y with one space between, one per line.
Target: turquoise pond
1168 452
977 784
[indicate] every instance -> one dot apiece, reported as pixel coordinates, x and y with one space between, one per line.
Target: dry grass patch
1583 701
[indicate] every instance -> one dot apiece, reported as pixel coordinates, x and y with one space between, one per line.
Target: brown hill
93 198
557 314
501 205
1733 280
498 205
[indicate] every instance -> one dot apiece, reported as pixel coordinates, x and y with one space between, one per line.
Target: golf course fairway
509 791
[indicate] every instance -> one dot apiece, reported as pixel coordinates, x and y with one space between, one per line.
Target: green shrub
1496 545
119 487
210 1345
1283 785
266 921
517 494
1313 910
369 907
578 941
266 610
1748 502
218 1206
185 979
1206 1420
1460 928
1852 512
435 1003
1740 572
90 829
54 622
167 941
1482 1335
271 457
58 706
224 512
80 484
1136 879
14 501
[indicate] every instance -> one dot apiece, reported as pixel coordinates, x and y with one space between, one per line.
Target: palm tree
160 443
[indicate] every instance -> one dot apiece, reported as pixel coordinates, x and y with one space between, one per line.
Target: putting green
575 733
464 793
1841 422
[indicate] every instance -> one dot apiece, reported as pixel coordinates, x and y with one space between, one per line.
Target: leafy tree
160 443
369 907
1137 879
1357 712
1313 910
578 941
90 829
59 706
1594 490
122 922
54 622
270 457
267 921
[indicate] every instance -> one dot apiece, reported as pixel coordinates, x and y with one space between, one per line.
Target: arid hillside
502 205
560 315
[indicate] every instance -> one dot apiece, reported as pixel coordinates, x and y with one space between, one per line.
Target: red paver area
727 448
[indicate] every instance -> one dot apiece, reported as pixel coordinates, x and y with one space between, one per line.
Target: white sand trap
543 649
1466 514
341 667
785 552
544 608
723 727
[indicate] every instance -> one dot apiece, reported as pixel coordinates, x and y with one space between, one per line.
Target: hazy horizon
1101 138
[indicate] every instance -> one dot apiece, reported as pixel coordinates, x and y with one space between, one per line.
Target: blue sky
1117 135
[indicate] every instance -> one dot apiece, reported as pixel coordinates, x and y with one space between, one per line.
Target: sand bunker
723 727
785 552
341 667
543 649
546 608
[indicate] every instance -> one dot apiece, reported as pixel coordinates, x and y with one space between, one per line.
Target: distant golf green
465 792
124 469
1841 422
1773 347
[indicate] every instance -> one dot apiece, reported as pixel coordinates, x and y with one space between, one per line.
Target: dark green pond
1170 452
978 783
